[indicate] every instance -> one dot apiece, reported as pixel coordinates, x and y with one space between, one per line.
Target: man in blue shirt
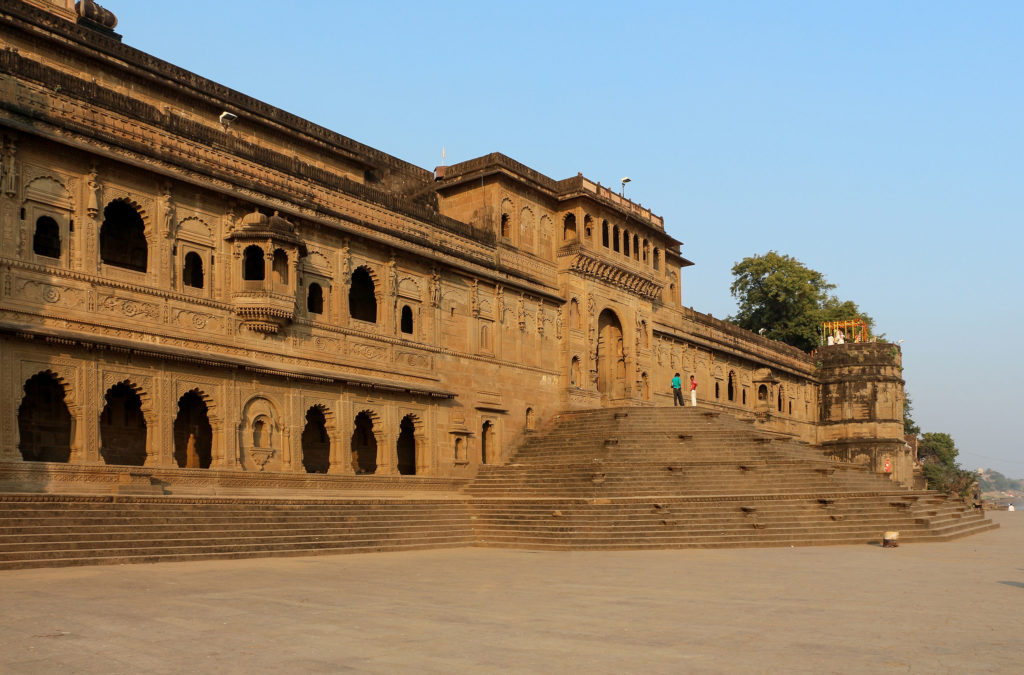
677 390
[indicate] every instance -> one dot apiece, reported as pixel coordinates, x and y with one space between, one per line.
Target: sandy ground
927 608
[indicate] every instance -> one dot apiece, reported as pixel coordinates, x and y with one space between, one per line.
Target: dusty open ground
954 607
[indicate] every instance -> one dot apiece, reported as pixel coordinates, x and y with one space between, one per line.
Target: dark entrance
407 447
193 436
486 441
316 444
611 358
123 427
44 422
364 445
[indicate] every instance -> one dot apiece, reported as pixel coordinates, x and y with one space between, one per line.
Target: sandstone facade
194 279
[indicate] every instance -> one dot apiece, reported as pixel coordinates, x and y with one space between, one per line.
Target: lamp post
622 192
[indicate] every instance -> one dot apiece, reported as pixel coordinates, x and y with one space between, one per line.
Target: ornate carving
587 265
130 308
435 287
8 175
92 193
371 352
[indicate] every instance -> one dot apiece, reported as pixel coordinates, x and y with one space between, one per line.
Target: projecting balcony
264 311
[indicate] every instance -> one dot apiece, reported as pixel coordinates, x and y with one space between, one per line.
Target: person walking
693 391
677 391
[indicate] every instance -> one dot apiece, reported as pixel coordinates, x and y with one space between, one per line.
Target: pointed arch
45 423
123 241
316 440
123 425
193 432
410 431
362 294
366 425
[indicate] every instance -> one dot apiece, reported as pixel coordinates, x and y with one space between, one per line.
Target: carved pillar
387 455
90 256
9 406
341 451
93 408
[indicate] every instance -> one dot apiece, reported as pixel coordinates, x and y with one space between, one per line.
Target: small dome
280 224
254 219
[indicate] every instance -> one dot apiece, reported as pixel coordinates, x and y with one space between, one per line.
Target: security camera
227 118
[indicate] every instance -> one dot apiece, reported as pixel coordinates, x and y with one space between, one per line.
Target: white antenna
442 156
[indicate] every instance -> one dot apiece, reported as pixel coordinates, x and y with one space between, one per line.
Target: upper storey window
315 299
46 241
123 237
192 275
280 267
615 238
506 226
569 228
604 233
252 264
362 298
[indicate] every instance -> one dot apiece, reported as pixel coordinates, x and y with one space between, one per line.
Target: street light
622 192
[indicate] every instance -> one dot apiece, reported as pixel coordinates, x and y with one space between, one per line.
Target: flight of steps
689 477
603 479
60 531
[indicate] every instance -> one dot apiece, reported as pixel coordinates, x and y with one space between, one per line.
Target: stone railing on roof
566 186
581 183
744 335
505 162
74 87
203 88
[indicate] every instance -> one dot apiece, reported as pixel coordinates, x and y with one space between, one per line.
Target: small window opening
192 275
253 264
123 237
362 299
46 241
315 299
407 319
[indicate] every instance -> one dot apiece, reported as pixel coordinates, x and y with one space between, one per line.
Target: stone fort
202 294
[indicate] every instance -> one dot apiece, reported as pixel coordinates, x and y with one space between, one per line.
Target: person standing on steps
677 391
693 391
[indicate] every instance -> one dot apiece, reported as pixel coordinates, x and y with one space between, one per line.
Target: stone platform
638 478
950 608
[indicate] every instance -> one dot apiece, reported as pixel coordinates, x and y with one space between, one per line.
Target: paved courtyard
954 607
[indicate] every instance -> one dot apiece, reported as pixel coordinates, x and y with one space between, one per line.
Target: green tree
937 448
909 425
783 299
937 453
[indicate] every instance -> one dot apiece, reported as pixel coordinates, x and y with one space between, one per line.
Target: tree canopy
937 453
781 298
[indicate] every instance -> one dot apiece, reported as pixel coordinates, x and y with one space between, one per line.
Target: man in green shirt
677 390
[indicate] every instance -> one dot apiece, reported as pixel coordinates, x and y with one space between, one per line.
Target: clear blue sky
877 142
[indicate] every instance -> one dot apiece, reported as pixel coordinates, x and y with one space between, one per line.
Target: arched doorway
316 443
611 358
487 448
193 436
364 445
407 446
123 427
44 423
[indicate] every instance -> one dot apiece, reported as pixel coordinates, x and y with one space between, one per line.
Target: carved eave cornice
587 265
86 341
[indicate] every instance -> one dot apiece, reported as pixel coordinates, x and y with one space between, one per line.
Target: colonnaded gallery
196 281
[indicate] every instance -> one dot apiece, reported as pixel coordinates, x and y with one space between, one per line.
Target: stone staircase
688 477
59 531
603 479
